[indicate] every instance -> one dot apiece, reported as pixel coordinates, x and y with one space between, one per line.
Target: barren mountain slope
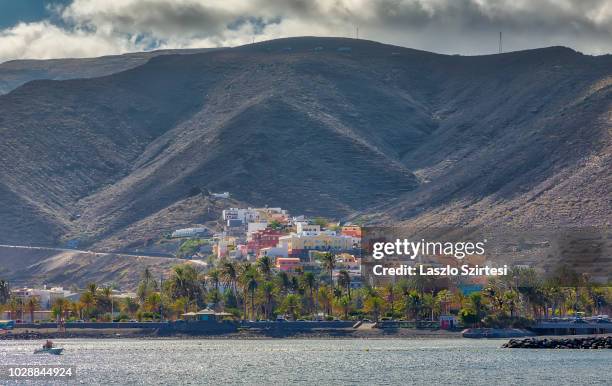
14 73
324 126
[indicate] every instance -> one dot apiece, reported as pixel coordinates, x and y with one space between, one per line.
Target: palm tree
291 305
185 282
77 309
59 309
511 301
92 288
153 302
214 297
310 281
105 299
215 278
344 281
229 275
267 291
129 306
247 277
32 305
329 263
16 307
373 305
326 297
264 264
146 286
389 292
88 300
252 286
345 303
413 304
477 305
284 283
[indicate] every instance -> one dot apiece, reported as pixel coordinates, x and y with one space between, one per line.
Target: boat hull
52 351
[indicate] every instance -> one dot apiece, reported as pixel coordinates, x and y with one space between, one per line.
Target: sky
43 29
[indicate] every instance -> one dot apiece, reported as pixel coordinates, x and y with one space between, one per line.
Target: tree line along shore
255 291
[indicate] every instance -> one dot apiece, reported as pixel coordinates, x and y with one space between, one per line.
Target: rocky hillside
36 267
322 126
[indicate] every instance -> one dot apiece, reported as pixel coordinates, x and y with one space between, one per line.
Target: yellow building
317 240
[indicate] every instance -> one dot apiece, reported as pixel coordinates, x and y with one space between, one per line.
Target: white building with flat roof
253 227
245 215
46 296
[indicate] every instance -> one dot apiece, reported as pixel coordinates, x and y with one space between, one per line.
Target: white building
245 215
274 252
304 226
253 227
224 195
45 296
190 232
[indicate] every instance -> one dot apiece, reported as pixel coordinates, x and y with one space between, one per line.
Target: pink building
287 263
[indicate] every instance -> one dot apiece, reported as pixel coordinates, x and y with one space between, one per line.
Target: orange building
351 230
287 263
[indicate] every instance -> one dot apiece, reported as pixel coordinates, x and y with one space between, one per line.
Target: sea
310 362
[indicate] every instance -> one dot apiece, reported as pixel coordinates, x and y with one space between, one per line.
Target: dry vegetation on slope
382 132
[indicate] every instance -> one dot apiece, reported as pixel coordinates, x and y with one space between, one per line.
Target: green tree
15 305
344 281
264 265
275 224
291 305
32 305
153 302
189 248
309 283
229 275
373 305
146 285
267 290
129 306
468 317
185 282
345 304
389 293
413 304
284 282
477 305
329 263
251 285
89 301
60 308
325 298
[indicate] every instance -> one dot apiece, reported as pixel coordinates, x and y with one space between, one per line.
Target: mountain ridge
342 128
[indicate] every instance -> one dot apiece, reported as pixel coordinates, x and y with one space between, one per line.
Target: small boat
52 350
48 348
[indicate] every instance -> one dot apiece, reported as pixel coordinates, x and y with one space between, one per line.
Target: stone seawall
588 342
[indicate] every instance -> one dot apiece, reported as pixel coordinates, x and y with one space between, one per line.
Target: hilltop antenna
500 42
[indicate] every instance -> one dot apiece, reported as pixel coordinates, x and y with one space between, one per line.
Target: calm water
323 362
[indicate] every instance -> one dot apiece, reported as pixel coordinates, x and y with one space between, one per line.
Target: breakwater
587 342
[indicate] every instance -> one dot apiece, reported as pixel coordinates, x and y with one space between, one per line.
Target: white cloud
43 40
99 27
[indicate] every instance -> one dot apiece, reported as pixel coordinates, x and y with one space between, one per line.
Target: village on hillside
264 264
292 243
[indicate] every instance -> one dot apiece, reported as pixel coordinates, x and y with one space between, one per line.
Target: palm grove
256 291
